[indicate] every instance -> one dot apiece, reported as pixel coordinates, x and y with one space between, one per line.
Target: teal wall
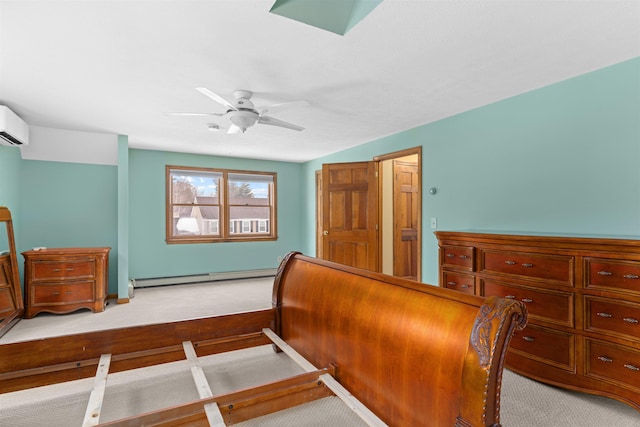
123 217
150 256
10 174
564 158
10 162
70 205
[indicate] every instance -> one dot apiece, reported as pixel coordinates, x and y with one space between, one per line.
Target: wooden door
350 214
319 214
405 214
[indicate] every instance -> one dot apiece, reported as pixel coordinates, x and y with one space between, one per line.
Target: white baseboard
209 277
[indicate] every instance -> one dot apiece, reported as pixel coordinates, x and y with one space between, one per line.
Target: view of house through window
208 205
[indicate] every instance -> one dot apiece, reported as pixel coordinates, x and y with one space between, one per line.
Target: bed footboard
412 353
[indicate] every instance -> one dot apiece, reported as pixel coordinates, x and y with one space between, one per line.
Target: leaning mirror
11 304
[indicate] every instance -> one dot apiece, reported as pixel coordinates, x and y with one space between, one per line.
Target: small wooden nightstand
63 280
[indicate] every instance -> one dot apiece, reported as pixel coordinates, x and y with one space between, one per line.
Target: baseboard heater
197 278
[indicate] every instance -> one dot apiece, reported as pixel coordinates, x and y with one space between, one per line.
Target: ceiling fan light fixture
243 119
242 114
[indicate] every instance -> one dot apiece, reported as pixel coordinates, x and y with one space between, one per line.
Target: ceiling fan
243 114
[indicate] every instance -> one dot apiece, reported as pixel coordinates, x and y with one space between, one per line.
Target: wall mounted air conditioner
13 130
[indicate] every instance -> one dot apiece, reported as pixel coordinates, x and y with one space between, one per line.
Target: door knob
325 233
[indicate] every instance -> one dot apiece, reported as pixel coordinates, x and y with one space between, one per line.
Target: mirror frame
14 316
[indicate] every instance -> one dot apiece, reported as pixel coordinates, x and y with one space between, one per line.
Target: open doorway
401 213
368 214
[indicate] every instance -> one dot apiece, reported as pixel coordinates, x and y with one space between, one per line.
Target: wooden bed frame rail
71 357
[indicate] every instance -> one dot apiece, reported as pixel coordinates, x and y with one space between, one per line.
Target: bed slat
94 406
199 378
204 390
354 404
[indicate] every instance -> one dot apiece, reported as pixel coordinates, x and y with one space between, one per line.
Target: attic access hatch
336 16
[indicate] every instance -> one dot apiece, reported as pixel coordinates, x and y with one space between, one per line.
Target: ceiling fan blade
266 120
283 106
194 114
215 97
233 129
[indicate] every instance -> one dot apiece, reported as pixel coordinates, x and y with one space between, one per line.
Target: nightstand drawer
63 294
54 270
546 305
613 317
604 273
612 363
457 256
546 345
460 282
536 266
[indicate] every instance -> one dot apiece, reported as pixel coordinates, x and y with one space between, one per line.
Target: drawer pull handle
451 283
631 276
451 256
528 300
528 338
526 264
68 292
56 270
605 359
510 262
605 315
630 320
55 293
632 367
510 296
468 286
69 268
605 273
463 256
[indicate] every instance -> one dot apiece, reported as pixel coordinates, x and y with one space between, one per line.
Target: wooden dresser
583 299
66 279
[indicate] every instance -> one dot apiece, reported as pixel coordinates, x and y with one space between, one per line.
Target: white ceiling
117 66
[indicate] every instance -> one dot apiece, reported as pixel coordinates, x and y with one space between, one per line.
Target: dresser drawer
542 304
460 282
62 294
546 345
539 266
54 270
617 275
457 256
609 316
612 363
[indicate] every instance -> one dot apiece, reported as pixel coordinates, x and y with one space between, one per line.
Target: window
213 205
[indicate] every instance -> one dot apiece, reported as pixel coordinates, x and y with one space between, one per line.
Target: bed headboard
11 303
414 354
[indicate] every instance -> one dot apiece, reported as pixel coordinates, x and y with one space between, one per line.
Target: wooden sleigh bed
394 351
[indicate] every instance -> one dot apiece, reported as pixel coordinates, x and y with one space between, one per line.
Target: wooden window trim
224 206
